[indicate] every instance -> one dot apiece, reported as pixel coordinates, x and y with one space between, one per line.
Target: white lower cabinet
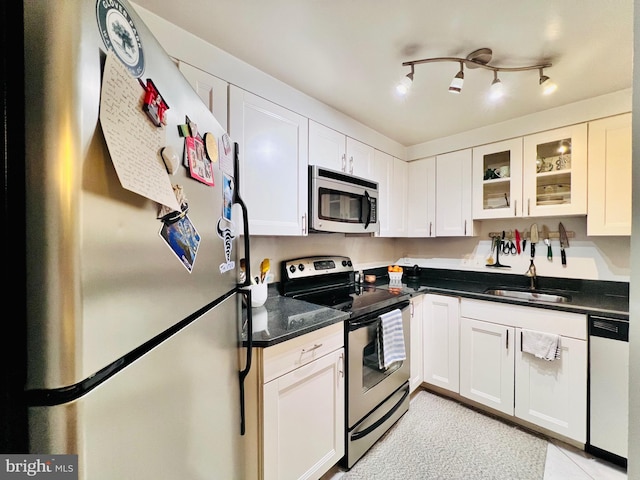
416 342
304 420
441 341
299 400
494 371
553 394
486 364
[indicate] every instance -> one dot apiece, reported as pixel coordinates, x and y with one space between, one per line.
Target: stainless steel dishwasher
608 388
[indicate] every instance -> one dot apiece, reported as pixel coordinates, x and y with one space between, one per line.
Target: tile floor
565 462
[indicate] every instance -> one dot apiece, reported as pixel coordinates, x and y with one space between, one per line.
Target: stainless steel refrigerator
133 336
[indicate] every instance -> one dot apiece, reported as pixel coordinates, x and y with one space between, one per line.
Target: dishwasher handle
612 328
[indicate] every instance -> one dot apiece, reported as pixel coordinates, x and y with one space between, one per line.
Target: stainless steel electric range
376 397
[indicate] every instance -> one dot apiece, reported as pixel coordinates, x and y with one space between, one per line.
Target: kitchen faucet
531 273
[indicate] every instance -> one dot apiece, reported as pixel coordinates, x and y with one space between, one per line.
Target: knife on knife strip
564 243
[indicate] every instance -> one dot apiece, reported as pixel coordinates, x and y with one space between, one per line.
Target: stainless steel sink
532 296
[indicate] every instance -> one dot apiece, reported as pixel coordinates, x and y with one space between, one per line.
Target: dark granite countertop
606 298
282 318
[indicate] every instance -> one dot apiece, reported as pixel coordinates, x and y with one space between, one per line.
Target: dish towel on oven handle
542 345
390 338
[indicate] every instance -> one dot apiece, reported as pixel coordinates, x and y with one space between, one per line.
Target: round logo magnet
120 35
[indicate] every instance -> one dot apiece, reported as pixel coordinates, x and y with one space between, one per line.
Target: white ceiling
349 53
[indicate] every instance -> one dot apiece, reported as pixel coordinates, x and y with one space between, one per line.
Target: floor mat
439 438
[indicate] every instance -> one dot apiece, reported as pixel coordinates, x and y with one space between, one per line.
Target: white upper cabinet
609 208
382 173
555 172
397 198
273 163
391 175
497 180
359 158
327 147
335 151
453 194
421 198
212 90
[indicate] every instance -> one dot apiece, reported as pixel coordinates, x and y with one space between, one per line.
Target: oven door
368 384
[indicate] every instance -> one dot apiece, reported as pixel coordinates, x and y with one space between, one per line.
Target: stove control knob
292 268
301 267
344 263
349 264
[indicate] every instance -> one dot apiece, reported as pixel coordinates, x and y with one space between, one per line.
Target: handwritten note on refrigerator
134 142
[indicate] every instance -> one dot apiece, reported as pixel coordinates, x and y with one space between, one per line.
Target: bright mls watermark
51 467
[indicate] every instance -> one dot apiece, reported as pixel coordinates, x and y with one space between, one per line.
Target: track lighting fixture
477 59
458 80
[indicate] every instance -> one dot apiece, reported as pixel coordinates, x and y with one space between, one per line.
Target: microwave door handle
366 209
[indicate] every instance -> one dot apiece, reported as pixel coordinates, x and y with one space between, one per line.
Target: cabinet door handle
507 346
344 162
515 208
341 367
465 227
307 350
351 165
520 341
430 225
304 223
528 206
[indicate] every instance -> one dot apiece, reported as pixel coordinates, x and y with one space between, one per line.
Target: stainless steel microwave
342 203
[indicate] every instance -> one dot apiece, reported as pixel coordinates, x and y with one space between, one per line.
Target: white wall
363 251
590 258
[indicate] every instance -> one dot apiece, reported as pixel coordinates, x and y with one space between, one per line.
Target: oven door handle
380 421
373 317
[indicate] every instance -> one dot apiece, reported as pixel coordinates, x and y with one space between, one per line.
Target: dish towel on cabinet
542 345
390 339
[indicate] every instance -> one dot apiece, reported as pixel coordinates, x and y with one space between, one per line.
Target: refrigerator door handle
245 216
249 348
246 292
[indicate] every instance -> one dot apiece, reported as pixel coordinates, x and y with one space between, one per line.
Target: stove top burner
329 281
356 299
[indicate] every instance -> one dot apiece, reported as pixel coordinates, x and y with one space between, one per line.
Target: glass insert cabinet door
555 172
497 180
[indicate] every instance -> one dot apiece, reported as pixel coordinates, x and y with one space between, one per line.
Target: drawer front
287 356
541 319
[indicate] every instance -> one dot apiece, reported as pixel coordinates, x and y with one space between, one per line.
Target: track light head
405 84
402 88
547 84
458 81
496 91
